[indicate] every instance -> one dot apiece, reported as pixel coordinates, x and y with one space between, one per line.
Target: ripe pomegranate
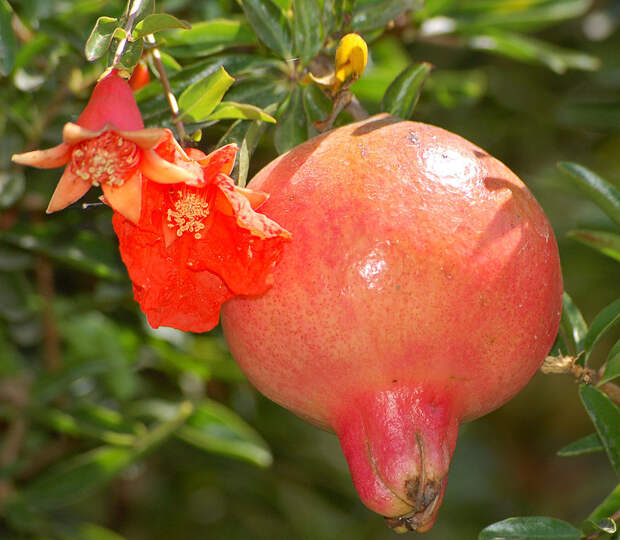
422 289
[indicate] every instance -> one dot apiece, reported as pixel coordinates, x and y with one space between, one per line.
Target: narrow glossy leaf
209 37
291 129
307 29
248 145
532 50
573 326
198 100
530 528
606 319
376 14
612 366
605 416
74 479
606 242
156 23
7 39
587 445
100 38
271 25
231 109
402 95
606 509
215 428
604 194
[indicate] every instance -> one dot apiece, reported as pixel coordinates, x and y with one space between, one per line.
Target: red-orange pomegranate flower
108 146
196 246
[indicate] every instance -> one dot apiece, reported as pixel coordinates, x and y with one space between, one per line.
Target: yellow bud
351 57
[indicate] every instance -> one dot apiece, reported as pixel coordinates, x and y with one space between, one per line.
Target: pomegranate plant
422 290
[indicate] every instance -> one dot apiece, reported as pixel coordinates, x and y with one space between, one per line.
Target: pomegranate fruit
422 289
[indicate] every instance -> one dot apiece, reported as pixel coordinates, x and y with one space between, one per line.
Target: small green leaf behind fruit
612 366
100 38
608 243
271 25
402 95
199 100
156 23
586 445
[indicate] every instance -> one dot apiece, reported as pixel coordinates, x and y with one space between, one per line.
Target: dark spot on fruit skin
412 137
394 381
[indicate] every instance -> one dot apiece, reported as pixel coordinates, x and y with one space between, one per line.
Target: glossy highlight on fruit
422 289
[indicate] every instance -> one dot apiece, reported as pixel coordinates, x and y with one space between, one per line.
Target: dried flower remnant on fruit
108 147
196 246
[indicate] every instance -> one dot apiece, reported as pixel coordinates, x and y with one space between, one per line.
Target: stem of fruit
131 17
398 444
163 77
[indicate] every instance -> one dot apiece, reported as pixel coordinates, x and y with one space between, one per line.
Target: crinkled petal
159 170
51 158
220 161
126 199
242 248
168 291
257 223
69 189
256 198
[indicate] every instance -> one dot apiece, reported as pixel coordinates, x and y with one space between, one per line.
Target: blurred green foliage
112 430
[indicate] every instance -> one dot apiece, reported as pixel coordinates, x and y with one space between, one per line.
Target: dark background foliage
98 438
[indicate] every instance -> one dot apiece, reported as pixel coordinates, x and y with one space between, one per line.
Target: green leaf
573 326
532 50
606 242
402 95
209 37
86 251
271 25
90 531
317 106
131 55
7 39
12 187
199 100
248 145
587 445
231 109
604 194
612 366
530 528
372 14
156 23
77 477
606 525
291 129
606 319
307 29
605 416
100 38
215 428
606 509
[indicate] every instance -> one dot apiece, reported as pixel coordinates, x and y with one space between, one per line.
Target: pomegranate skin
422 289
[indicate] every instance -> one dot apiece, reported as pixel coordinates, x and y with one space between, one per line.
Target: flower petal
45 159
258 224
256 198
220 161
168 291
126 199
70 188
145 138
73 134
159 170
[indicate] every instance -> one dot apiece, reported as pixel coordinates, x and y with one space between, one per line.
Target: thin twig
163 77
131 17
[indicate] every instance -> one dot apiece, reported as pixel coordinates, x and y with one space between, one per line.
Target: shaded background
80 368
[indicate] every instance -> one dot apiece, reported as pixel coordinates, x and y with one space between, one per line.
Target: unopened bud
351 57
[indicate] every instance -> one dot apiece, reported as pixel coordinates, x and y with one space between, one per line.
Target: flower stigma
108 159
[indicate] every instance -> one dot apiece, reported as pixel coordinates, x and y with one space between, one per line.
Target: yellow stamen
189 212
